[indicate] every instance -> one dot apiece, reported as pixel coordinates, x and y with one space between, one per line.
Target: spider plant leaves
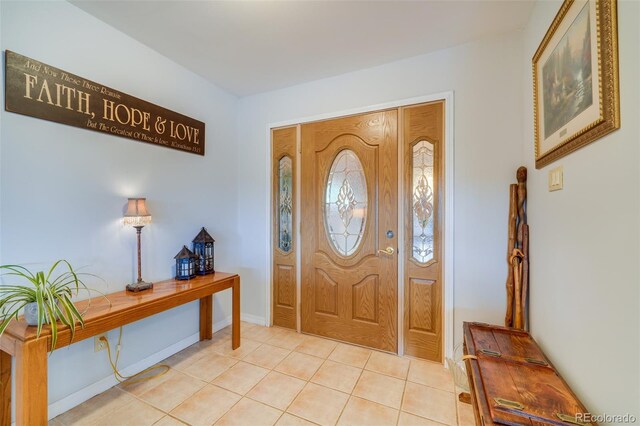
73 311
19 270
41 312
52 295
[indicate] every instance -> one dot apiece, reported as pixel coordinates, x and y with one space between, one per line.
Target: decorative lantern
203 249
185 264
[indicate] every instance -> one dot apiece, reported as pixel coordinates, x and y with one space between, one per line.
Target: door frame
449 190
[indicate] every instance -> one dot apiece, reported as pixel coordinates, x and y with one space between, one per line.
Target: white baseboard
217 326
77 398
253 319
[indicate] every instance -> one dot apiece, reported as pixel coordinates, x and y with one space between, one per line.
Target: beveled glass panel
345 205
423 207
285 204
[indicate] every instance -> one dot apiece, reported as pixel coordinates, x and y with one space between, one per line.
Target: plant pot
31 314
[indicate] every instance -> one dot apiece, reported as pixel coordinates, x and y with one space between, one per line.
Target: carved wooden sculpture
513 189
516 263
518 255
525 276
521 176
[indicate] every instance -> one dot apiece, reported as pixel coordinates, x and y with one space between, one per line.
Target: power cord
130 379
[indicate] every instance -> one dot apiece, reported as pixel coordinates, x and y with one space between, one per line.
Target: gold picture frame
576 93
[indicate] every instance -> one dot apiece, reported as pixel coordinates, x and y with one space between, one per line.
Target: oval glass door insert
345 204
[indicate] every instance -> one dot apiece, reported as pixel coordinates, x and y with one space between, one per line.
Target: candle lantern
203 249
185 264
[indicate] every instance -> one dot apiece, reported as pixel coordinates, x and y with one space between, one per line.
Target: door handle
388 250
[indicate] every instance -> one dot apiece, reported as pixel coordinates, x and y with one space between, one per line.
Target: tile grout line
246 394
288 375
351 395
404 389
270 370
157 408
298 393
326 387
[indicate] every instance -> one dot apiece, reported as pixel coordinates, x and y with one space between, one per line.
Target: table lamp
138 216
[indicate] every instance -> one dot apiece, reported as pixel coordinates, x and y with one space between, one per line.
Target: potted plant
46 299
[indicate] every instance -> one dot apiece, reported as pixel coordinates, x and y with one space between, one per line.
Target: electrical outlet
100 345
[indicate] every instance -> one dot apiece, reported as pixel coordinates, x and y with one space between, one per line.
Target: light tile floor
279 377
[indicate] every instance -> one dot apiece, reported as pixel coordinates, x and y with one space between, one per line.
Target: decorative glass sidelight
423 196
345 205
285 203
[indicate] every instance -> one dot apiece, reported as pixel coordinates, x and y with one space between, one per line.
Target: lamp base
139 286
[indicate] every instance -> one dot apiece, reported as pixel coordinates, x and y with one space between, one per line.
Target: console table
19 340
513 383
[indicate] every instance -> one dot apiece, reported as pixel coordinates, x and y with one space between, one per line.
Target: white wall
488 127
584 240
63 189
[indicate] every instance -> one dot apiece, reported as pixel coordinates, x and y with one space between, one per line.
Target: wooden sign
40 90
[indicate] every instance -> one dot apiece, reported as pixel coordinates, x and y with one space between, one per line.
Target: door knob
388 250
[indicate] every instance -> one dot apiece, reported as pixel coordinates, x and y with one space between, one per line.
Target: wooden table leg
31 383
235 321
206 318
5 389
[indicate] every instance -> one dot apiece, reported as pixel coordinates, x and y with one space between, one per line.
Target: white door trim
448 279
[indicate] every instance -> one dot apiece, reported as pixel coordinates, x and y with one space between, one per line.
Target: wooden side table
19 340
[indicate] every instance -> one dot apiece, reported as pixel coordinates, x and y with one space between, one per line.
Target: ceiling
248 47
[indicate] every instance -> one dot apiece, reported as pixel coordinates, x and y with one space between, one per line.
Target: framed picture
575 79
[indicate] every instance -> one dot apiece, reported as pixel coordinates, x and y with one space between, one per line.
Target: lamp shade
137 213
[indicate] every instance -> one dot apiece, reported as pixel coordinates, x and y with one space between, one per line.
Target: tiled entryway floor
280 377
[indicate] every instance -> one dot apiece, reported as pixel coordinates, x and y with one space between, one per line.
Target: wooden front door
285 303
423 147
349 218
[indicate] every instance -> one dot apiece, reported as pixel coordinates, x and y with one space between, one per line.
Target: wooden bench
512 382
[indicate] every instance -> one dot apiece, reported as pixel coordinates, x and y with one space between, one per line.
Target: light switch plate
555 179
